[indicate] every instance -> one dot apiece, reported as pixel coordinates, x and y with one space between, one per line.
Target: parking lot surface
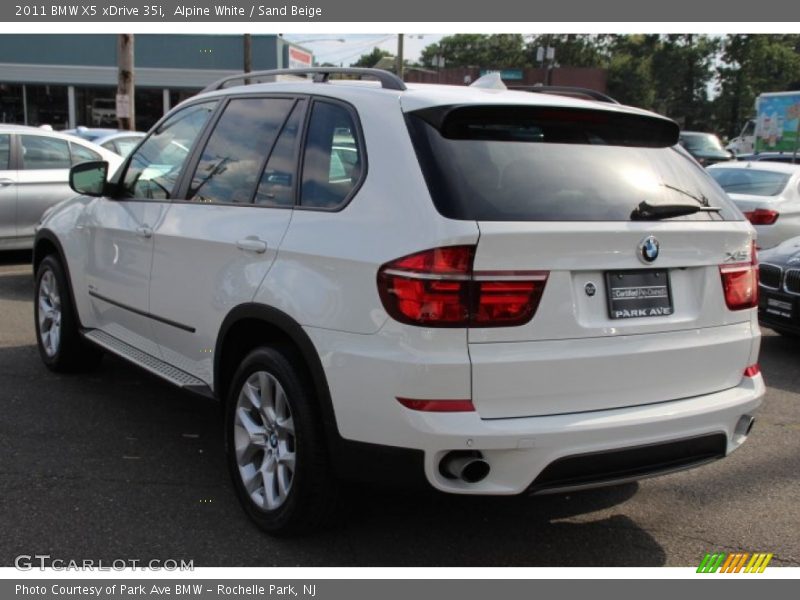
115 464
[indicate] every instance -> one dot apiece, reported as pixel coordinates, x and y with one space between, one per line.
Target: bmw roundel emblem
648 249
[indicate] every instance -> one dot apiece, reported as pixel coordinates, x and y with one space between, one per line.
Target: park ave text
177 589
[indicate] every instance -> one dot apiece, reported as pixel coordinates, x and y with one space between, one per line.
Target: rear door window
550 164
230 167
40 152
277 185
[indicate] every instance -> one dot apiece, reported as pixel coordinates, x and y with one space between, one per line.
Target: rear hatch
630 234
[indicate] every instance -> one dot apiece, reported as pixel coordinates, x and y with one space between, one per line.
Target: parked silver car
120 141
34 175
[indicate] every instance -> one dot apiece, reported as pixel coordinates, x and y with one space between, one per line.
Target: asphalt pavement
116 464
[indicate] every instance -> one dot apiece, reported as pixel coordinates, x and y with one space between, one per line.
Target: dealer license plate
640 293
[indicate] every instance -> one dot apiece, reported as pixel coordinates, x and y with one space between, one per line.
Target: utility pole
126 86
399 66
248 55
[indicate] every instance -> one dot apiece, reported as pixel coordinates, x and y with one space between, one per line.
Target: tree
571 50
498 51
371 59
751 65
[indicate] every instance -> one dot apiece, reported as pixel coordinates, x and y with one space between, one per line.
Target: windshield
500 168
750 181
701 142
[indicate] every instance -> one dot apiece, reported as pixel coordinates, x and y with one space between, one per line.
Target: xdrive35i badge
648 250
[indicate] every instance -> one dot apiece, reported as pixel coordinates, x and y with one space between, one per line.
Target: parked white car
493 292
34 175
768 193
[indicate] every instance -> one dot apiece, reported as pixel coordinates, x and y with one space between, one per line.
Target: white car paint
568 382
786 202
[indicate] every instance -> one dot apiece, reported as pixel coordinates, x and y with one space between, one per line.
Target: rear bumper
519 450
366 374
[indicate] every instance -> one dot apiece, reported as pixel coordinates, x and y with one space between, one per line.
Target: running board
148 362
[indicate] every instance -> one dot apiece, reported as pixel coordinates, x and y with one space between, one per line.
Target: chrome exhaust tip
745 425
468 467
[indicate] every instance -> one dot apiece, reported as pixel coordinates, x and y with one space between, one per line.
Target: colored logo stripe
735 562
711 562
758 563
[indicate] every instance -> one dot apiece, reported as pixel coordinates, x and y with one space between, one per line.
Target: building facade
67 80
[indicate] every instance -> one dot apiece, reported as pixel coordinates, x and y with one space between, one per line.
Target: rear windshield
532 164
700 142
750 181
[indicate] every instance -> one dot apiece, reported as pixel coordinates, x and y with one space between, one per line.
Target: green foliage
371 59
498 51
751 65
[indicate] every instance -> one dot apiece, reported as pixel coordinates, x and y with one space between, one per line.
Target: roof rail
389 81
567 90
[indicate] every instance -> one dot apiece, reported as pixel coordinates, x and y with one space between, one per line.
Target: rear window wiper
655 212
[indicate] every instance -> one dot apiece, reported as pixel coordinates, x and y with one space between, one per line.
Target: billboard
299 59
777 122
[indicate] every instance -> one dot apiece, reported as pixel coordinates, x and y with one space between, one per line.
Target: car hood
785 253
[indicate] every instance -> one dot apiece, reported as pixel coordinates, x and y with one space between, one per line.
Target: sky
345 49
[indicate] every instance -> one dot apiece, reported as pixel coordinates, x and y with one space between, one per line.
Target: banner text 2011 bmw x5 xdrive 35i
494 292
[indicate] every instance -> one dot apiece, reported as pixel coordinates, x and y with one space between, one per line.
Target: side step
148 362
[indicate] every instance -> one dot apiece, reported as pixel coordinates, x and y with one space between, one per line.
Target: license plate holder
779 307
640 293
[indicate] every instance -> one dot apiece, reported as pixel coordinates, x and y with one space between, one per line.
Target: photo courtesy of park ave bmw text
351 298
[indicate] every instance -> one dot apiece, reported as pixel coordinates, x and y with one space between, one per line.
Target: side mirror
89 178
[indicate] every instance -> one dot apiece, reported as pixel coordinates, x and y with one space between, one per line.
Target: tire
58 337
276 446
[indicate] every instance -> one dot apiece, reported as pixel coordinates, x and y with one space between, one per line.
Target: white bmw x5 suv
494 292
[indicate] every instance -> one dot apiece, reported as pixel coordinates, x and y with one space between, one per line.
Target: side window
278 180
82 154
5 151
153 170
39 152
231 164
332 162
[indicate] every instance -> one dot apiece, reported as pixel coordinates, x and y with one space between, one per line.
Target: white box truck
775 127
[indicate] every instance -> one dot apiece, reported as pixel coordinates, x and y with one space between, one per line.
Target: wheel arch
351 460
46 243
259 325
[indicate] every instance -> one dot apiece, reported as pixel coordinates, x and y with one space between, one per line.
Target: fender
294 331
351 460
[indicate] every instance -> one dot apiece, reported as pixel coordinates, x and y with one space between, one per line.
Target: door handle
6 182
144 231
252 244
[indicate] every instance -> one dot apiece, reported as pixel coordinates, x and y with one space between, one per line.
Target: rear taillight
740 283
762 216
438 288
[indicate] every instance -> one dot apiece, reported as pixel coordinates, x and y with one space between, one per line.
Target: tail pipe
745 425
469 467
